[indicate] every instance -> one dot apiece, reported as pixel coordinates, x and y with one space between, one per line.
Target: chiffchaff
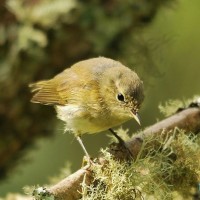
92 95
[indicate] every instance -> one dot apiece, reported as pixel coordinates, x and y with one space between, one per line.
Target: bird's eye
120 97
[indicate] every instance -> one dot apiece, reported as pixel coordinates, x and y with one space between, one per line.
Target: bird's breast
80 120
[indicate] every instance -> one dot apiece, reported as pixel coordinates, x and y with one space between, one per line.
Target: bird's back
67 86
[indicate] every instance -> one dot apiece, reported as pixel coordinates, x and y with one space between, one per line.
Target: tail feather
45 92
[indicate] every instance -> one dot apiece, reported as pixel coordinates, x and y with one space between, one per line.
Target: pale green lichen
171 106
173 167
39 193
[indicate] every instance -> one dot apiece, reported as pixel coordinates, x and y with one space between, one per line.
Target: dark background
38 38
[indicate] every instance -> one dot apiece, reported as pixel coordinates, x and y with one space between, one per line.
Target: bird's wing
74 85
45 92
70 86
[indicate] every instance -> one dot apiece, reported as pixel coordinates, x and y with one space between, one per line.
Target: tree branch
188 120
70 187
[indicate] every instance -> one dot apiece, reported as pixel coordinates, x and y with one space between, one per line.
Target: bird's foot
121 142
87 161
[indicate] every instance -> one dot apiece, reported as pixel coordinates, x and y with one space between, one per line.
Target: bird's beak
136 117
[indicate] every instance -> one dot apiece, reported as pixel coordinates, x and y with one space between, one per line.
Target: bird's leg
83 147
88 159
120 140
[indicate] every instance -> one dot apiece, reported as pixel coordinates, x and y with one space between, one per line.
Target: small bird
92 96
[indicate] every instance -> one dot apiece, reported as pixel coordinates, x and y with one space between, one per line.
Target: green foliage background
39 38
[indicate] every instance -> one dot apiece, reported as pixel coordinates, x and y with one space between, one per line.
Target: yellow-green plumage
85 95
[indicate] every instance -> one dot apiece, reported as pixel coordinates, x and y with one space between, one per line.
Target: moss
171 169
171 106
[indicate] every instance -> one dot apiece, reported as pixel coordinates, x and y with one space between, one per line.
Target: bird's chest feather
80 120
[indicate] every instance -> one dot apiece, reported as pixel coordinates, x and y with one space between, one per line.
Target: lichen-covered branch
188 120
70 188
